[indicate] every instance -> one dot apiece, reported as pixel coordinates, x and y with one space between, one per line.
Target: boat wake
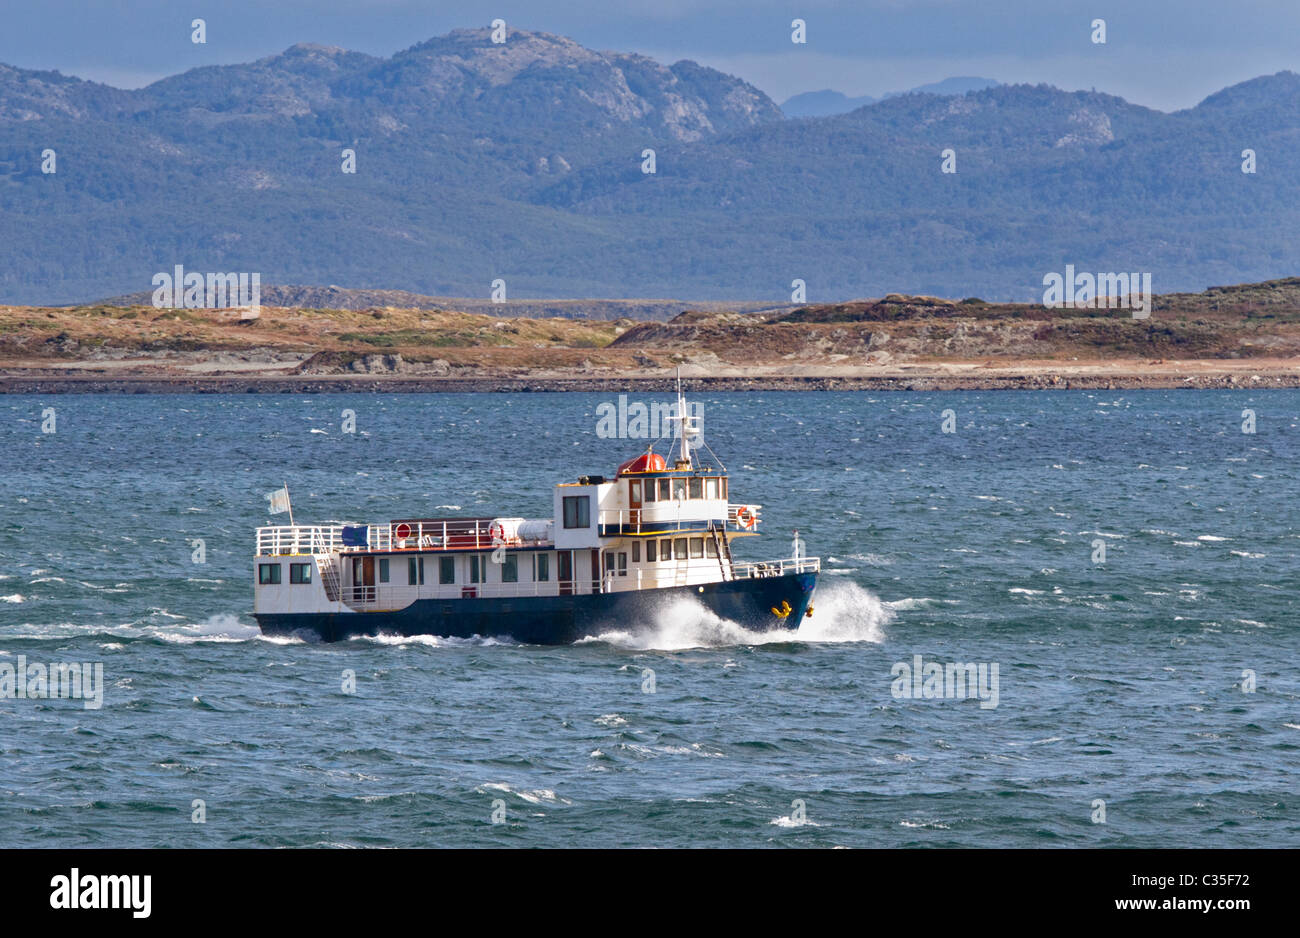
843 612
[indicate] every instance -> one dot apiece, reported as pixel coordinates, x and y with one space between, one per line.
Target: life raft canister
646 462
746 518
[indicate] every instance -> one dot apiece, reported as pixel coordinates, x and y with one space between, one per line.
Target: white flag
279 500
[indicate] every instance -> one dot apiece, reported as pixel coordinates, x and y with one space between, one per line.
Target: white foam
842 612
431 641
222 627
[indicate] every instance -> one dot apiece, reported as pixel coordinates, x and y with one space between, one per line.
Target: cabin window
268 573
650 490
446 570
710 488
710 549
510 569
622 563
383 569
634 489
697 547
476 570
650 551
577 511
299 573
636 551
664 494
609 561
665 549
415 571
697 487
679 546
543 568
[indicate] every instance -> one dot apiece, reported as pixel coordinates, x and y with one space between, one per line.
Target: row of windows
541 564
577 508
661 550
665 490
269 573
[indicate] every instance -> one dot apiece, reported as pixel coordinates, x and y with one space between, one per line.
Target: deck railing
652 520
612 582
454 534
789 565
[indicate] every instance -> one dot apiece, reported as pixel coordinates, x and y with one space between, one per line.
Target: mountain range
523 162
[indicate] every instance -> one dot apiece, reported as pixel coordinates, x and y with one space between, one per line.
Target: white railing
298 539
398 597
657 521
789 565
454 534
677 574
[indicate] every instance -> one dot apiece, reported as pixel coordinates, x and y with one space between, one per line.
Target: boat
613 554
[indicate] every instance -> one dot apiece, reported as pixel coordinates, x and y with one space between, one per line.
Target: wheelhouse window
299 573
577 511
543 568
446 570
510 569
679 489
383 569
268 574
650 489
710 488
664 494
697 487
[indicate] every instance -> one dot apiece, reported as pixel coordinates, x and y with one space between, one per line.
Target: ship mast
688 428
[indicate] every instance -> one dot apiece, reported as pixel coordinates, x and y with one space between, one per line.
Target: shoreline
395 384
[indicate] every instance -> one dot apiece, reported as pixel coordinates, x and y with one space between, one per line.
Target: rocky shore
226 384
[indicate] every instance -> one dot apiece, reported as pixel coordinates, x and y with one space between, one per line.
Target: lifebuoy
745 517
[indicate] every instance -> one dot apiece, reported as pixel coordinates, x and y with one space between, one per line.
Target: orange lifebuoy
745 517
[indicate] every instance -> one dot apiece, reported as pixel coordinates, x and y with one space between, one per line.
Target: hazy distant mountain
825 103
523 162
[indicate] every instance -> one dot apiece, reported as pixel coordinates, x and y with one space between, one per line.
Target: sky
1167 55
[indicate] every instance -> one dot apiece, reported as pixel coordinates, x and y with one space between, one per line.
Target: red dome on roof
646 462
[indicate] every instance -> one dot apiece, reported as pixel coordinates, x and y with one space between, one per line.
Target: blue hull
559 620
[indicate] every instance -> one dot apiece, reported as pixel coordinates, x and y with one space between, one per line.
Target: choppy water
1119 681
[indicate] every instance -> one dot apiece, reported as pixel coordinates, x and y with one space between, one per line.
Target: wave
431 641
842 612
222 627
